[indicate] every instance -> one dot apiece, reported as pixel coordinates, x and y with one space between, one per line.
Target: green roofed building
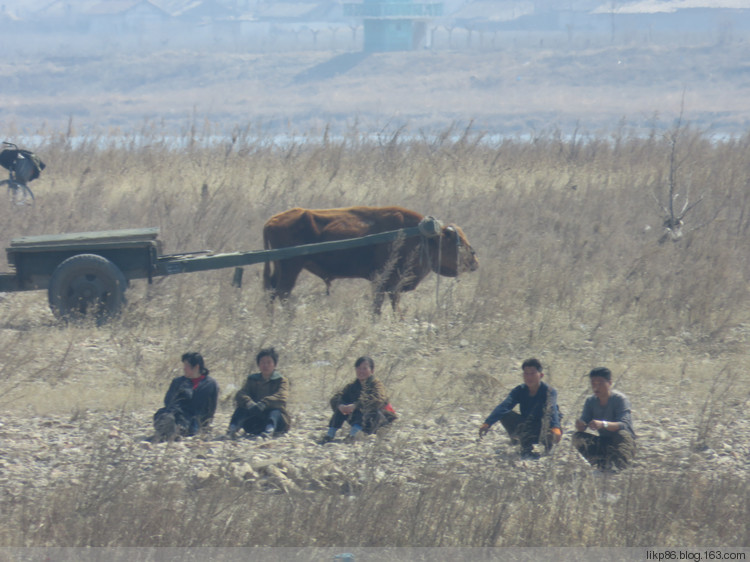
393 25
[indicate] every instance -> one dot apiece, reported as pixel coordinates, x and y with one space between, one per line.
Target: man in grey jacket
607 412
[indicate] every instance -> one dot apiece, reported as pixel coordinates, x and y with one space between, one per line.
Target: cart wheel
87 284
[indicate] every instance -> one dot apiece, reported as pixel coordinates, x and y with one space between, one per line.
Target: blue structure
393 25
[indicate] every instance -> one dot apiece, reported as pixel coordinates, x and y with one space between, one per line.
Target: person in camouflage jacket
261 402
363 403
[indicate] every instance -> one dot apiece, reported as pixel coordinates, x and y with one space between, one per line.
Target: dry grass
571 271
113 505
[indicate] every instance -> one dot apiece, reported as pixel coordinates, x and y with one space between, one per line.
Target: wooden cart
88 272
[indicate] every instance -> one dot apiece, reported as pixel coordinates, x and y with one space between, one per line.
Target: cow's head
451 252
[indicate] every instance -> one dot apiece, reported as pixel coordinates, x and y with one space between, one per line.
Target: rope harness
430 227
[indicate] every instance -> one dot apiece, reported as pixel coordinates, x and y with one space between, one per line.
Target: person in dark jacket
261 402
539 417
190 402
363 403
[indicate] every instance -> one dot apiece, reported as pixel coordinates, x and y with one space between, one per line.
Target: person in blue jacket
539 417
190 402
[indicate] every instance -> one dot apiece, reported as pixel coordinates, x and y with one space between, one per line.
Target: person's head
601 381
532 373
364 366
266 360
193 365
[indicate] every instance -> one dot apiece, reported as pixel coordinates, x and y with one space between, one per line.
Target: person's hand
249 402
260 406
483 430
580 425
556 434
346 409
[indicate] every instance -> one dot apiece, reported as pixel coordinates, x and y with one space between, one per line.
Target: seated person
261 402
607 412
539 419
363 403
190 402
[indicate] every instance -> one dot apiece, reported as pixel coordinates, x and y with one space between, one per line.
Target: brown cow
392 267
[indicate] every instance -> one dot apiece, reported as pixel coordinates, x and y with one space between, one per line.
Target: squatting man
539 420
607 412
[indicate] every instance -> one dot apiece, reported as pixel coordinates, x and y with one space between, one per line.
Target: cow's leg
395 299
318 271
281 282
270 283
381 287
287 273
378 302
270 269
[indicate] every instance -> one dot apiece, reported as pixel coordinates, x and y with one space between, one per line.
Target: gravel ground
37 454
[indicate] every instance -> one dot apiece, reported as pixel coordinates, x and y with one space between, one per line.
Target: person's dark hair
267 352
532 363
364 358
601 372
194 358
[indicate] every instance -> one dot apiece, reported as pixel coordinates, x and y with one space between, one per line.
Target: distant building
199 10
676 16
395 25
388 25
125 16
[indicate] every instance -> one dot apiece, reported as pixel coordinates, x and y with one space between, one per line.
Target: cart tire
87 284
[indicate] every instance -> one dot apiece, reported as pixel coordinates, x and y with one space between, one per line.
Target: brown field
571 272
518 88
